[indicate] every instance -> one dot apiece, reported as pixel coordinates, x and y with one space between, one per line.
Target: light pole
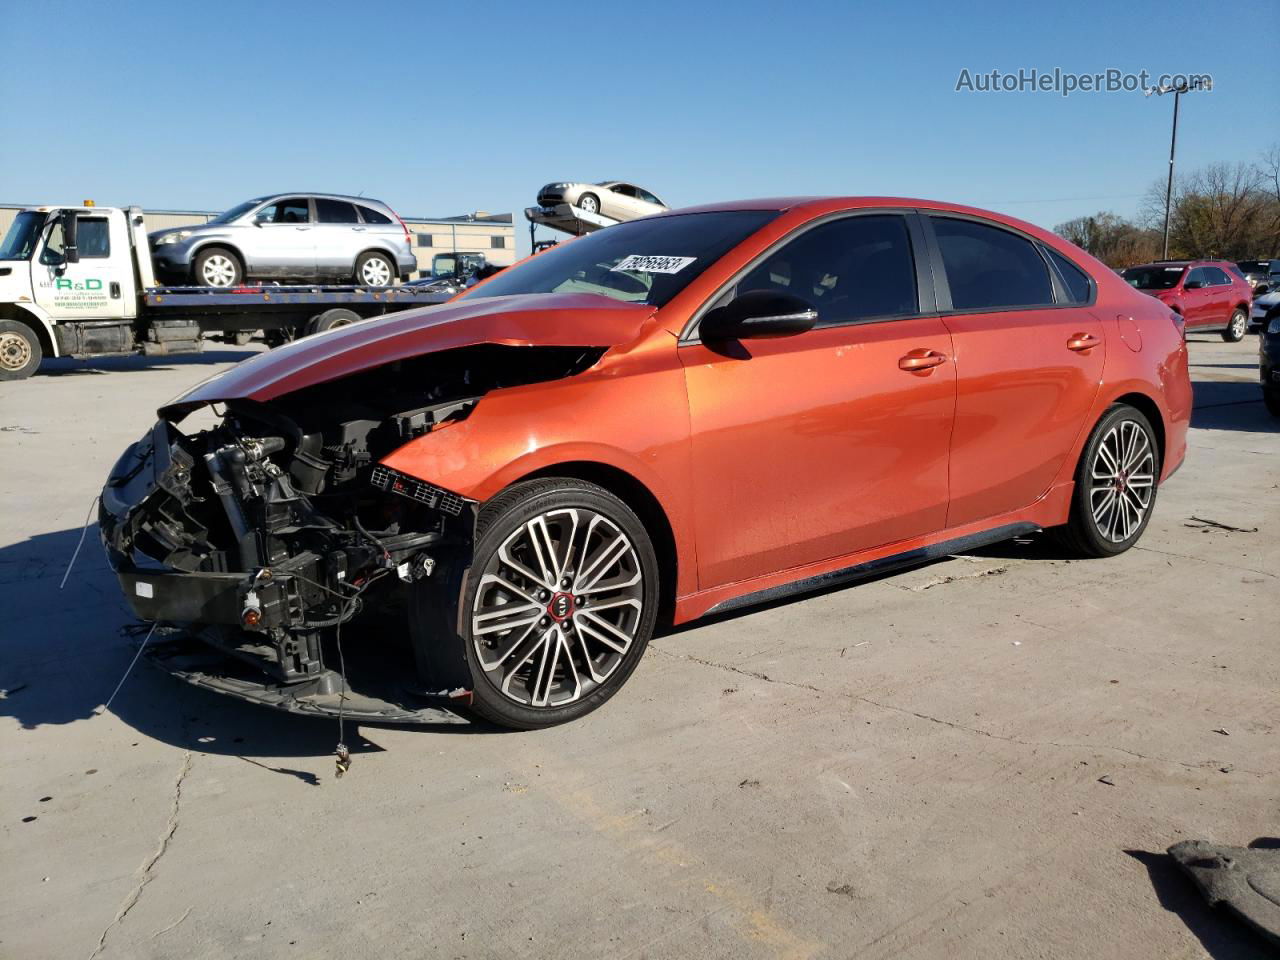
1177 92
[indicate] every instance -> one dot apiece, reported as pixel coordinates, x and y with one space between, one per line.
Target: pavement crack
941 581
963 728
163 930
1217 563
146 871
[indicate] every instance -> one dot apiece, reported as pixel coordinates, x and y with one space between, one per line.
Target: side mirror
70 252
759 313
1193 285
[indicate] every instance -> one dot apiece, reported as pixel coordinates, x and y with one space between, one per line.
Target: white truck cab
79 281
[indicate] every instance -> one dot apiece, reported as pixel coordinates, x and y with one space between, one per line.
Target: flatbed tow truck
79 282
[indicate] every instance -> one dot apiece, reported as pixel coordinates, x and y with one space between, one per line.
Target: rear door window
989 268
1079 286
856 268
335 211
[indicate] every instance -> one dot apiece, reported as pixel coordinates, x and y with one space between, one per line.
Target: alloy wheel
15 352
558 607
1239 325
375 272
589 204
1122 481
218 271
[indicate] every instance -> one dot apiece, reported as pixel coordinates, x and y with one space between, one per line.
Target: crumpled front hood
551 320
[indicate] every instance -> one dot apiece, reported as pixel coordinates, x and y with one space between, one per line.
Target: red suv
1209 294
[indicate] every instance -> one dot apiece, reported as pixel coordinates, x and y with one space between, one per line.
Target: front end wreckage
287 565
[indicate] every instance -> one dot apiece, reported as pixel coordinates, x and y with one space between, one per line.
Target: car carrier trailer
79 282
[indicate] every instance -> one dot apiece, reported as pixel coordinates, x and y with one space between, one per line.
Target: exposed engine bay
265 533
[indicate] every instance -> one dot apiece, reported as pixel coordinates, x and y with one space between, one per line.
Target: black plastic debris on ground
1244 879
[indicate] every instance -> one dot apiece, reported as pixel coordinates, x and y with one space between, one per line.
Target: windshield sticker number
651 264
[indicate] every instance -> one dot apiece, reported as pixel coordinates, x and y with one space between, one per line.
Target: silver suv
293 236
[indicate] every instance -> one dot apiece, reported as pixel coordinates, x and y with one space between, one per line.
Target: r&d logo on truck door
90 283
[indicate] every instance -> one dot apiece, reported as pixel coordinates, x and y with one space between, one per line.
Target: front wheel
1115 485
374 270
216 267
560 604
20 351
589 203
1237 327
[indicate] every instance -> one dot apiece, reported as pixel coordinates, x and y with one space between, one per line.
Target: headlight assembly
1274 325
173 237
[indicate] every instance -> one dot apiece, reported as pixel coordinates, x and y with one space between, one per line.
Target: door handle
358 229
1082 341
302 228
115 290
921 360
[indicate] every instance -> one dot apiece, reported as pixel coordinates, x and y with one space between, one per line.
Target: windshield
641 261
23 233
238 211
1153 278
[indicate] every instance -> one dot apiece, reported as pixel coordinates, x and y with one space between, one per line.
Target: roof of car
1181 263
313 193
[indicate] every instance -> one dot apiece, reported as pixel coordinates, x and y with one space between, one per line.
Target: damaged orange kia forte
670 417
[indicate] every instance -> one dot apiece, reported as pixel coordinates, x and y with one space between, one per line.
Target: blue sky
444 108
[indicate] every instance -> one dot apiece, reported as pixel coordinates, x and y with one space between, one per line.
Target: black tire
1237 326
1083 535
503 521
217 264
582 202
20 350
367 262
331 319
1272 399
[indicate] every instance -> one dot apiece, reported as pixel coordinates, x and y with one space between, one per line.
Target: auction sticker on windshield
653 264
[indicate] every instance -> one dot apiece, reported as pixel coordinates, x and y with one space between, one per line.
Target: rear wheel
1237 327
561 602
216 267
375 270
1115 485
20 351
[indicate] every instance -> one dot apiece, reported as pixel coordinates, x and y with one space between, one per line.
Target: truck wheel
375 270
1237 326
20 352
331 319
217 267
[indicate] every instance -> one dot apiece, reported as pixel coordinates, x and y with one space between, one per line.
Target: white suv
289 236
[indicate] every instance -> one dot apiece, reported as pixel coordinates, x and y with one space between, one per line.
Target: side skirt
862 571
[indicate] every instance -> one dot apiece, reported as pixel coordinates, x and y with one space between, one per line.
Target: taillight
408 237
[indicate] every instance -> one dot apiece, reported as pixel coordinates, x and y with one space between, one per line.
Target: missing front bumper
374 698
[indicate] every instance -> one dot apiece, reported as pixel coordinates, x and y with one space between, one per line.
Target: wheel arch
1147 406
389 254
631 491
39 324
226 245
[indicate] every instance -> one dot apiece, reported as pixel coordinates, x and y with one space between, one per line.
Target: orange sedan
678 415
